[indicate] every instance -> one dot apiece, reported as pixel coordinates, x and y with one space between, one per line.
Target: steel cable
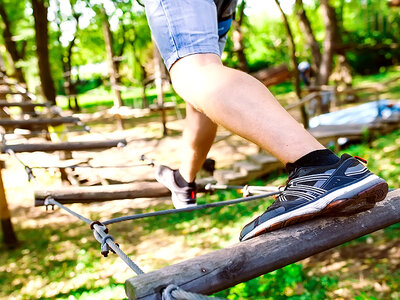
187 209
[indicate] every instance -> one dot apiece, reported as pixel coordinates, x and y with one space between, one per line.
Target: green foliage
373 38
290 282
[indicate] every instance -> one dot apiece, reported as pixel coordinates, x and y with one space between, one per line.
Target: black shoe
346 186
182 197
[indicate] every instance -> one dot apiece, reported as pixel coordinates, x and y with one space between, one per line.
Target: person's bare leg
198 137
242 105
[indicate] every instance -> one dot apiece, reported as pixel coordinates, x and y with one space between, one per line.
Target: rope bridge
241 262
227 267
108 244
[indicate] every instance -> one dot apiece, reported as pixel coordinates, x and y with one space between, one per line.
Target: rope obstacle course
213 272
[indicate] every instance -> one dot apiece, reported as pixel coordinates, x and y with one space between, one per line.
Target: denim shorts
184 27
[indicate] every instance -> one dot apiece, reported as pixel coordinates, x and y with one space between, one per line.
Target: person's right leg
242 104
318 179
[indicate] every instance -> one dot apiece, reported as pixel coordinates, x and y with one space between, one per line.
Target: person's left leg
198 137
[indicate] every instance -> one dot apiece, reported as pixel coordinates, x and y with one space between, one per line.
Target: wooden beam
89 194
64 146
4 103
38 121
303 101
227 267
345 130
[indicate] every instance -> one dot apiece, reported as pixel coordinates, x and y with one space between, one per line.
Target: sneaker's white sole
315 207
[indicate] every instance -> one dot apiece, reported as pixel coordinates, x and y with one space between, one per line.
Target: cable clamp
246 191
105 229
209 188
105 248
47 203
167 292
29 172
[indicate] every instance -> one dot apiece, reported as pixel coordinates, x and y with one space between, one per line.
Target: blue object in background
360 114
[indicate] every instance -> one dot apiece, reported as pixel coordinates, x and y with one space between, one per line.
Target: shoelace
285 191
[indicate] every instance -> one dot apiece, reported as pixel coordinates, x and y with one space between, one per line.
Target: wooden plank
101 193
166 106
303 101
227 267
64 146
38 121
346 130
27 104
273 75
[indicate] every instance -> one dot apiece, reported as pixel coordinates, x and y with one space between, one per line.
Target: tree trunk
158 80
292 49
70 89
9 237
145 102
2 66
114 76
330 42
309 35
237 38
11 46
143 76
41 36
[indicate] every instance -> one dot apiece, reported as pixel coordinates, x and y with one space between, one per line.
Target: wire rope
188 209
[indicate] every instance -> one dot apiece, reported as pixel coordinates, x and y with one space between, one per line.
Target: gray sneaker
182 197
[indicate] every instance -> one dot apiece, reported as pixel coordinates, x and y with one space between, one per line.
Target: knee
192 69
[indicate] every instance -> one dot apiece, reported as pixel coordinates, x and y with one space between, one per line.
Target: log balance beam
64 146
227 267
89 194
38 121
4 103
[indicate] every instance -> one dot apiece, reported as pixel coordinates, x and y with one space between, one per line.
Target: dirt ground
142 139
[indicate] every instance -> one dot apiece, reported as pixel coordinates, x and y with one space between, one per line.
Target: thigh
183 27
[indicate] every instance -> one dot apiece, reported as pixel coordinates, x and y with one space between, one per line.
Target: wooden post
113 69
295 70
227 267
158 81
9 237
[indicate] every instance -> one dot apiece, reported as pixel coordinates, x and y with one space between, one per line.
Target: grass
59 259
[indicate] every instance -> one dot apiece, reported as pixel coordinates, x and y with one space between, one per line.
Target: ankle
181 180
315 158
